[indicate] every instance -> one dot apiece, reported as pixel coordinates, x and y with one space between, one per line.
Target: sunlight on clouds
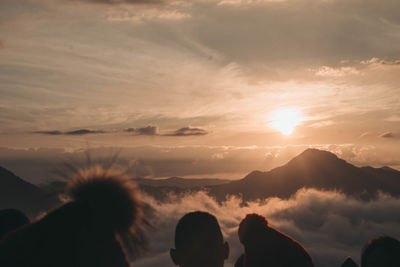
340 225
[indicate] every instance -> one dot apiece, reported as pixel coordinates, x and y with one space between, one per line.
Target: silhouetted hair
110 195
102 208
390 248
10 220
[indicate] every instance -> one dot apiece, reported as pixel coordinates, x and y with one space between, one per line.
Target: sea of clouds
330 225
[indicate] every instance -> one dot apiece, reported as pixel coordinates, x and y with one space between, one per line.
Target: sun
285 120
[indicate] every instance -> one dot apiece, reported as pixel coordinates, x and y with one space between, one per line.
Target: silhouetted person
349 263
267 247
199 241
10 220
103 209
382 251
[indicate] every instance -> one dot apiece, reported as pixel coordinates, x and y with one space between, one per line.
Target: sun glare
285 120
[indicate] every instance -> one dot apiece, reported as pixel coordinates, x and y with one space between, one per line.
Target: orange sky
201 74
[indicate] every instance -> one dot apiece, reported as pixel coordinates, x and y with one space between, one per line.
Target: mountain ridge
313 168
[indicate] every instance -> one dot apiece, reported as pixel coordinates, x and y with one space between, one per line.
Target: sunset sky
230 85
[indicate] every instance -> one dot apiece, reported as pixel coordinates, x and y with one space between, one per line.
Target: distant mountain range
314 169
311 169
181 182
19 194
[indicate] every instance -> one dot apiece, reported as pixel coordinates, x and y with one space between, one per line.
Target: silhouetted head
11 219
382 251
199 241
104 208
251 227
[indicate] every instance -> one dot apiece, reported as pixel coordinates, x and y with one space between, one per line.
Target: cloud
394 118
2 44
153 130
148 130
119 2
145 15
75 132
388 135
326 71
330 225
188 131
377 61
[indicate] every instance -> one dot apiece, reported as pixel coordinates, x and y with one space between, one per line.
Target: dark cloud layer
188 131
118 2
75 132
388 135
148 130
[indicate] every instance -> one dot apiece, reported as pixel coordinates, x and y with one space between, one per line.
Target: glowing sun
285 120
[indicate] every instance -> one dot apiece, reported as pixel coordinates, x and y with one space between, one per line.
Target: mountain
313 168
19 194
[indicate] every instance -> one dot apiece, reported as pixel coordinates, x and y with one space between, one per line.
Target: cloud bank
330 225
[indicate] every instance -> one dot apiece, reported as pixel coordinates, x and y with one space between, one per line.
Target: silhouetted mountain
314 169
19 194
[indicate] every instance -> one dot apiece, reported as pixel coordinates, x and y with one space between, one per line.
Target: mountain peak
313 152
316 157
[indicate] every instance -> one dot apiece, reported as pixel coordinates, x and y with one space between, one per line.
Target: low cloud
148 130
330 225
75 132
188 131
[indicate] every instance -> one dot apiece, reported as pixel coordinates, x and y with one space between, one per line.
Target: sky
240 84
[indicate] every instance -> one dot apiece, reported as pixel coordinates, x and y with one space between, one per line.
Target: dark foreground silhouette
10 220
381 251
266 246
349 263
103 209
199 242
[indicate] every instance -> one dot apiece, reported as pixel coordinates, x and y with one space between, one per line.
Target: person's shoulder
294 250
